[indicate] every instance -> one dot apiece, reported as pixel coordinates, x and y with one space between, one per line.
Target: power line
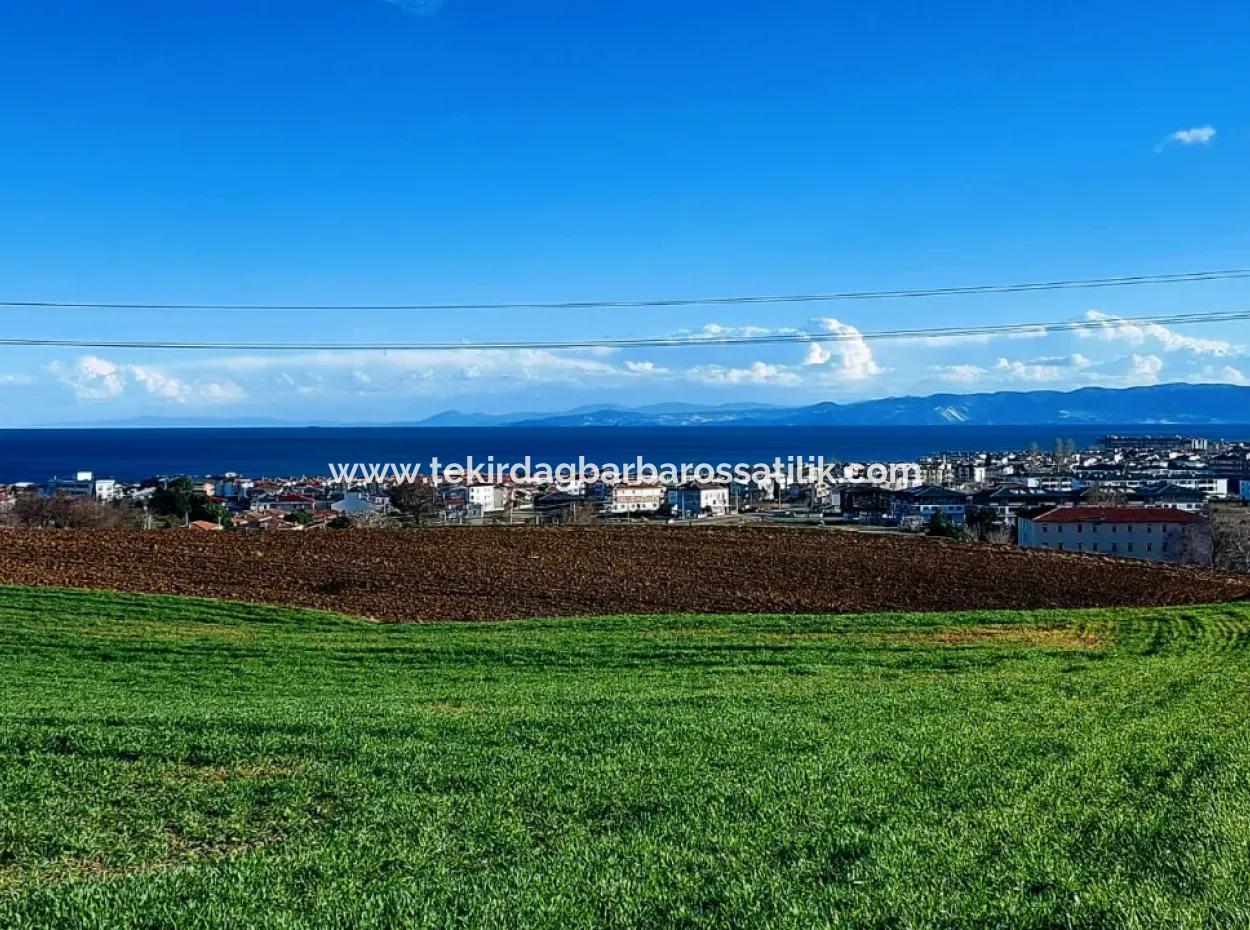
787 336
1068 284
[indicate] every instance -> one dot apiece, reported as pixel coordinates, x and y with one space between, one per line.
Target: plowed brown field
484 573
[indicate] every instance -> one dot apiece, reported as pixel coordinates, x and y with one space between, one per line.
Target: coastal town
1162 498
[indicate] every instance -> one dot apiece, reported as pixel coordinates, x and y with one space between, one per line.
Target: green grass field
177 763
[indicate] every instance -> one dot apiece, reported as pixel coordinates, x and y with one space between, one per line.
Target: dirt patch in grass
181 853
260 772
171 633
448 707
1028 637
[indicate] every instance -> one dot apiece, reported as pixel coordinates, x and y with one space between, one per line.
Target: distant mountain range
1162 404
1158 405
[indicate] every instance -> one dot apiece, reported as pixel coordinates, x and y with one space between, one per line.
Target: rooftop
1115 515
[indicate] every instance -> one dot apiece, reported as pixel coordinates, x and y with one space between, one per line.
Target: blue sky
382 151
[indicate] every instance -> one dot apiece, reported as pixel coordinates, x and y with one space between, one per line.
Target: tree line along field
490 573
195 764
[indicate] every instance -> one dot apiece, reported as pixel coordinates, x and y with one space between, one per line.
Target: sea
135 454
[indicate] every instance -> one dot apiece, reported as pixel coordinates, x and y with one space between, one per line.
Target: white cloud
849 355
1112 329
1026 332
1027 371
159 384
1145 369
1225 375
959 374
719 331
1195 135
1050 368
421 372
220 392
817 354
93 378
756 373
645 368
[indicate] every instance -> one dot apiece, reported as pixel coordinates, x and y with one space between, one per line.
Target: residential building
206 525
1151 533
928 501
696 499
1209 485
492 498
1009 500
1155 443
636 498
359 502
1166 494
83 484
865 503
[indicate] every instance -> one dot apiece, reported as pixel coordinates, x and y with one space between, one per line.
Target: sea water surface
134 454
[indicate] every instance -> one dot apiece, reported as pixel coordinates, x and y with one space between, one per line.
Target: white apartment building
635 498
694 500
490 497
1211 487
83 484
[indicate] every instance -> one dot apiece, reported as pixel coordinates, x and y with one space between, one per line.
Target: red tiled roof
1115 515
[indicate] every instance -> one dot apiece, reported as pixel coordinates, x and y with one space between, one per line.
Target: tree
302 517
180 498
940 525
62 511
1197 544
1230 532
418 501
1102 497
981 522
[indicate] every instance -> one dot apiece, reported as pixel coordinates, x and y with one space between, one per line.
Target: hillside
1158 404
167 762
492 573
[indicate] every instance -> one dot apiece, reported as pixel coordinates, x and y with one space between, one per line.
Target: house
1209 485
289 503
358 502
927 502
866 503
1157 534
1008 500
1232 464
1165 494
970 473
83 484
747 495
695 499
635 498
259 521
490 497
233 488
206 525
561 507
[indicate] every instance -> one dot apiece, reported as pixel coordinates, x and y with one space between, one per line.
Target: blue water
134 454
